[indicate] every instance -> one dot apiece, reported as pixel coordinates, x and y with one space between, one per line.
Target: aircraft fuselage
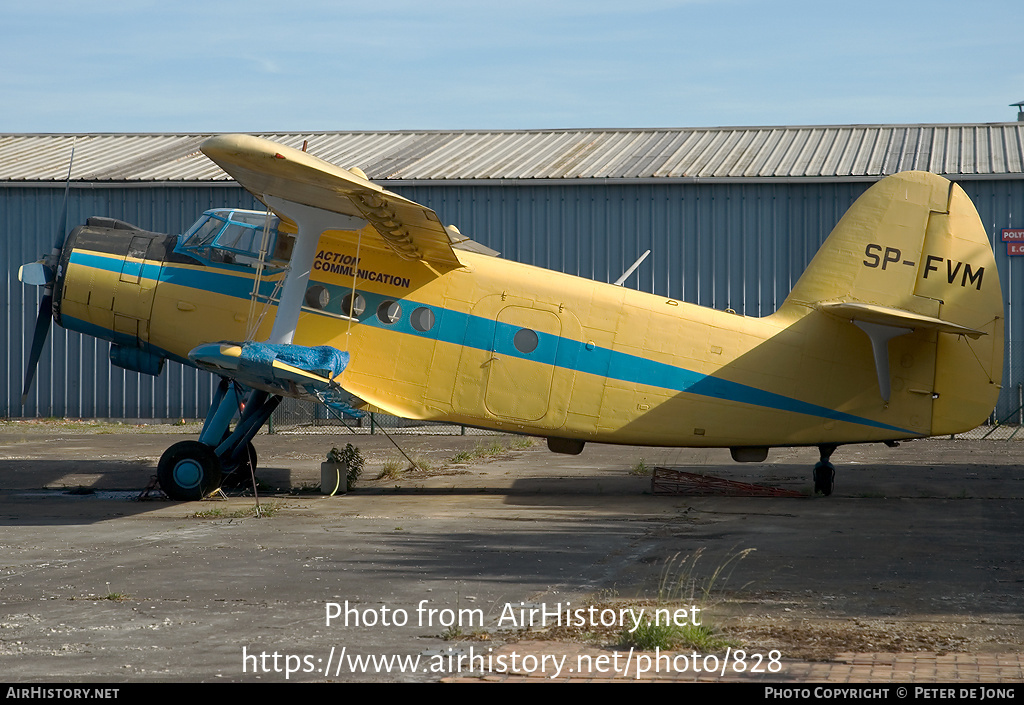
509 346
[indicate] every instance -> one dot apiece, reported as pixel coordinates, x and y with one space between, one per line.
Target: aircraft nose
93 292
106 280
35 274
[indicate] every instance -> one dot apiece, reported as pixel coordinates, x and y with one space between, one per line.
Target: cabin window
317 296
422 319
353 305
389 312
525 340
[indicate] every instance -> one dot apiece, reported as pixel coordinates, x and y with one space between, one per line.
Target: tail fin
912 256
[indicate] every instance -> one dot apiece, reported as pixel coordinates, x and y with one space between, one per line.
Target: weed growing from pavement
114 596
492 450
452 633
422 464
305 488
681 586
651 634
390 470
258 511
641 469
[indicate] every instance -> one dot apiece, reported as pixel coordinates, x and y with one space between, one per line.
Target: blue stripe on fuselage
485 334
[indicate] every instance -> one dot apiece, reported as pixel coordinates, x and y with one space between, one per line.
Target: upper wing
266 168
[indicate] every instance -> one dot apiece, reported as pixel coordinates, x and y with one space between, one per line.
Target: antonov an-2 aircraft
349 294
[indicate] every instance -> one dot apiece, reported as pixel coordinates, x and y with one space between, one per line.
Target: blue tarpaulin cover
322 360
253 366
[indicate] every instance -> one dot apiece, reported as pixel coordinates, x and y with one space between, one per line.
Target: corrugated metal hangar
732 216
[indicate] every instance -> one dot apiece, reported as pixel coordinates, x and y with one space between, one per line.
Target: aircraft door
133 293
522 363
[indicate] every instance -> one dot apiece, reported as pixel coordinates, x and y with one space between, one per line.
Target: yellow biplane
354 296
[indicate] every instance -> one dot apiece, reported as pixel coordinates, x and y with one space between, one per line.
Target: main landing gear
824 472
191 470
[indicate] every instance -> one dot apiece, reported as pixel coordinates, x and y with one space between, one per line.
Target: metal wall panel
730 245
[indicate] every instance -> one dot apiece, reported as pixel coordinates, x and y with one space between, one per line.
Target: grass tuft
651 635
681 585
641 469
422 464
492 450
390 470
261 511
452 633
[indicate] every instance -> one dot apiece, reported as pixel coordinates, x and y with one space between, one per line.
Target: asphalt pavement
462 572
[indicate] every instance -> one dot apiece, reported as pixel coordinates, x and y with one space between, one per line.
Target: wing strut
311 222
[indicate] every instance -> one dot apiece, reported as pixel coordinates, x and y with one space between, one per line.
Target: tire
824 478
188 471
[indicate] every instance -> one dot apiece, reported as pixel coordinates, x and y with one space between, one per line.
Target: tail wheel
189 470
824 478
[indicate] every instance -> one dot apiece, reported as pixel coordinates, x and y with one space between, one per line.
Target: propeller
44 273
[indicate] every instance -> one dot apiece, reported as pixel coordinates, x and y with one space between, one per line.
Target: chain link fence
297 416
994 432
1006 423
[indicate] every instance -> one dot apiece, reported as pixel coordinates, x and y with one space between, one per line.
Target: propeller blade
38 340
62 228
46 304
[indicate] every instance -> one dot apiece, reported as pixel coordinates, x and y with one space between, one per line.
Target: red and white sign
1015 248
1013 235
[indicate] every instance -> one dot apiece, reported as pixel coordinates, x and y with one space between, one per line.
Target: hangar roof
838 152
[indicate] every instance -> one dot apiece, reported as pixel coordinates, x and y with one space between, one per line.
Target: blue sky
308 65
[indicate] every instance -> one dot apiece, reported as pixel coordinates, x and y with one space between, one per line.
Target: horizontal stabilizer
882 324
885 316
461 242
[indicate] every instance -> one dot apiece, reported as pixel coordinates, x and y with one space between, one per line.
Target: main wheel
824 478
189 470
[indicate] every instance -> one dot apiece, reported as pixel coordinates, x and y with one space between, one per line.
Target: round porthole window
422 319
353 306
317 297
525 340
389 312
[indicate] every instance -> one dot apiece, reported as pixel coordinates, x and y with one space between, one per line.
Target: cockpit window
206 232
234 236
